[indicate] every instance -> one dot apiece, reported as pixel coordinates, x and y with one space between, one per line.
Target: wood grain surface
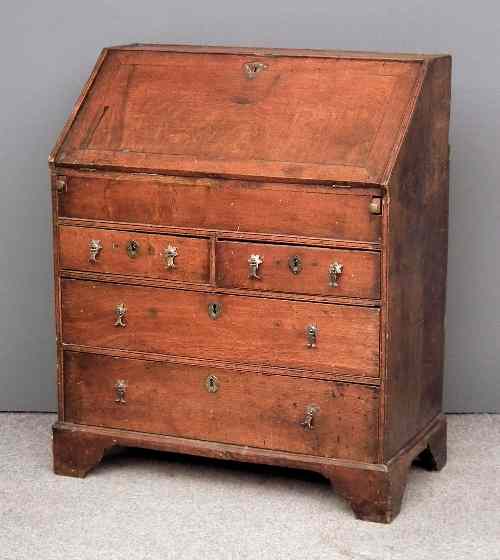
192 263
417 248
248 408
249 329
222 205
360 275
293 118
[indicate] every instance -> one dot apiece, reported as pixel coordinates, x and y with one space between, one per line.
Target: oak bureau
250 259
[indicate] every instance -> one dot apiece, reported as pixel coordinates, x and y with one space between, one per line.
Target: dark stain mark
241 100
152 312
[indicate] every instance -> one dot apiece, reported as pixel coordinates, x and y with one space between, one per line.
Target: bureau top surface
265 114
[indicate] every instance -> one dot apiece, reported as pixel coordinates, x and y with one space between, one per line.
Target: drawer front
266 411
298 269
135 254
222 327
223 206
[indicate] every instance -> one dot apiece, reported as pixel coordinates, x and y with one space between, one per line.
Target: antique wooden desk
250 260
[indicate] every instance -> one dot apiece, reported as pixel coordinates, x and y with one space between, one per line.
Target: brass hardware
170 253
295 264
214 310
253 68
308 422
334 273
212 384
376 206
312 336
95 247
61 184
120 311
253 266
132 248
120 388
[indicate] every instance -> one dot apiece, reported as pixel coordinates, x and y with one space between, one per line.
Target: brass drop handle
120 312
375 205
120 390
253 68
312 336
169 254
308 422
334 273
95 247
253 266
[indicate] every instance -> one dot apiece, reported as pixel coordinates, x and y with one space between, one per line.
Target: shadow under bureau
250 261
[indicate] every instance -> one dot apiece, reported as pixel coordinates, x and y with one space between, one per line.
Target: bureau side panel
54 182
416 245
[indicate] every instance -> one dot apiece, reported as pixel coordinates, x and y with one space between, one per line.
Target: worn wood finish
332 156
225 365
223 206
212 289
263 124
192 263
374 491
248 408
250 330
417 258
360 275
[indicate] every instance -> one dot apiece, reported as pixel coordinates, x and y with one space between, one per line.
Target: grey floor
147 505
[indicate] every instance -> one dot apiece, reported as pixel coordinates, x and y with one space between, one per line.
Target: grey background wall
47 52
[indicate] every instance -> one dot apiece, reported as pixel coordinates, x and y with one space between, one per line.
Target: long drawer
167 257
298 269
338 339
321 418
227 206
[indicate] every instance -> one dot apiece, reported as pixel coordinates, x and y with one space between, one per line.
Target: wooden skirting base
374 491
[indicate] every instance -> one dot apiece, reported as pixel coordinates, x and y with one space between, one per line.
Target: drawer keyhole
295 264
212 384
132 248
214 310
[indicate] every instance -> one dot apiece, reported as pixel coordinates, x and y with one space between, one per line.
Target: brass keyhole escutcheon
214 310
132 248
295 264
212 384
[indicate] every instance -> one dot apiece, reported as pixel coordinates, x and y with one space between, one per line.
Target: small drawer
129 253
314 417
298 269
320 337
224 205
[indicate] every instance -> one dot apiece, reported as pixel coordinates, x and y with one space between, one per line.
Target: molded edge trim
246 454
